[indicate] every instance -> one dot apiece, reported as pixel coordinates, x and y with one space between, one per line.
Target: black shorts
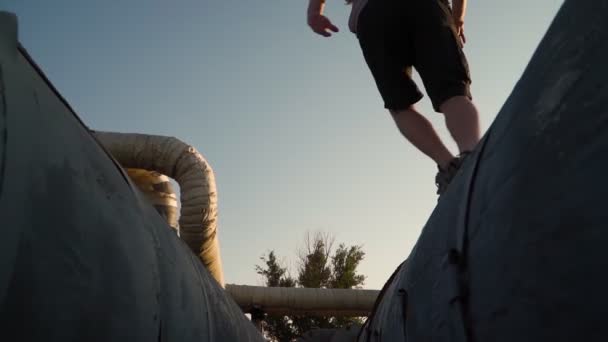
396 35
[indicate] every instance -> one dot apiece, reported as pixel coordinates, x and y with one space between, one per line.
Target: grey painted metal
516 249
83 257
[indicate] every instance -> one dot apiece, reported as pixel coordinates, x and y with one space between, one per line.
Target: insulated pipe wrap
160 193
289 300
198 194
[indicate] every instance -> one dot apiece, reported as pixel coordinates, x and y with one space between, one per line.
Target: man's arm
459 8
317 21
316 7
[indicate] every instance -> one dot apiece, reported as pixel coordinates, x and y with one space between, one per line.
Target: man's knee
398 113
454 102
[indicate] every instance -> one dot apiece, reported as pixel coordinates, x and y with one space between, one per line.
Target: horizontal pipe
291 301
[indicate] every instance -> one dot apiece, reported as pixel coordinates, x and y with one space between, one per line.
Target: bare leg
462 120
420 132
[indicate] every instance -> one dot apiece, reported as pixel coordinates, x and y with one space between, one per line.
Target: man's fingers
332 27
460 34
328 25
322 32
322 26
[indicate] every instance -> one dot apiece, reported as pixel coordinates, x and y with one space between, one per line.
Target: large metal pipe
516 248
289 300
83 257
198 195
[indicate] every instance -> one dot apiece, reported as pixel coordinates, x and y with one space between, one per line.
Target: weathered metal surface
83 257
516 249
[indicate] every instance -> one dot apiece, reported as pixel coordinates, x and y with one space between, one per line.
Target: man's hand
459 24
459 8
320 24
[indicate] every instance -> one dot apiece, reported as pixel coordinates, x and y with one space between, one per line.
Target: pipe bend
198 193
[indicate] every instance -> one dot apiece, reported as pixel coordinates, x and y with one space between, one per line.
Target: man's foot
445 175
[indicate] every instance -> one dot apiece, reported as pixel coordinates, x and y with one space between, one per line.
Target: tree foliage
318 266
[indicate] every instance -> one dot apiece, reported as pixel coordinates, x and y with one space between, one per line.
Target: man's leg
420 132
389 53
462 120
444 70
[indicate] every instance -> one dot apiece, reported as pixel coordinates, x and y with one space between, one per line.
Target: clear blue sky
291 122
